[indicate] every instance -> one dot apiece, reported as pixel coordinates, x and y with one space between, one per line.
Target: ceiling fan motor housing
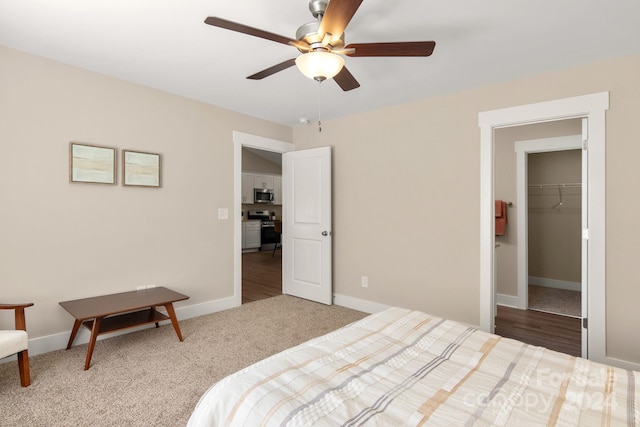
317 7
309 33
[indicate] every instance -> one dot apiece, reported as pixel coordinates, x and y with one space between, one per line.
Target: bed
402 367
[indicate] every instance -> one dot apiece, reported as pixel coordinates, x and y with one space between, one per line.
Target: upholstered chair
16 341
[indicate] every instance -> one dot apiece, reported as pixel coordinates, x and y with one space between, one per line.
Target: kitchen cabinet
250 235
262 181
247 187
277 189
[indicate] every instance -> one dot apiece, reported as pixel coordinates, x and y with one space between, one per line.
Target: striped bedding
401 367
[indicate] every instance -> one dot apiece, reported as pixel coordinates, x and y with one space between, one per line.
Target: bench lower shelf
127 320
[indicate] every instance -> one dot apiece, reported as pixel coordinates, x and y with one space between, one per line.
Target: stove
268 236
264 216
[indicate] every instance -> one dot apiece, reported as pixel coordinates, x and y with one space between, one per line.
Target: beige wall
61 241
420 245
506 189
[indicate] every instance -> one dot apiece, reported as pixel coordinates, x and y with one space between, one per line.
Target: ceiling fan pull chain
319 104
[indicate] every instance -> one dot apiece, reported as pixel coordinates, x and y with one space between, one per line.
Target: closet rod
566 185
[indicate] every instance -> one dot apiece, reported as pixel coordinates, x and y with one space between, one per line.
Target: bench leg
95 330
74 332
153 309
174 320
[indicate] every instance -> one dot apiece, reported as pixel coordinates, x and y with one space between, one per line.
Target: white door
306 228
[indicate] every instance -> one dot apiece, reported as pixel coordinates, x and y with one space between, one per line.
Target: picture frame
92 164
141 169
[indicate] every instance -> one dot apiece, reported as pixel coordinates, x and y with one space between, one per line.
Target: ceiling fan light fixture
319 65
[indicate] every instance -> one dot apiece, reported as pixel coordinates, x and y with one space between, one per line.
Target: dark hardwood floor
555 332
261 275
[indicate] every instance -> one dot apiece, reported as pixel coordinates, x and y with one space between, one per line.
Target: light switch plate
223 213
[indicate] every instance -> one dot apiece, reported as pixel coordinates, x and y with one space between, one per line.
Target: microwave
262 195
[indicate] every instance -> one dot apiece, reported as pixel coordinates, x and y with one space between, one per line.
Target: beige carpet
556 301
149 378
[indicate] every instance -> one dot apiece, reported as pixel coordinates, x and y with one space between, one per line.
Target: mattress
402 367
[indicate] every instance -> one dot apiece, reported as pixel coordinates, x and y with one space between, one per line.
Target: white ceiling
165 44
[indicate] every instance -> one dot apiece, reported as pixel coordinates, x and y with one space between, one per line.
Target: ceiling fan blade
337 17
392 49
245 29
346 80
272 70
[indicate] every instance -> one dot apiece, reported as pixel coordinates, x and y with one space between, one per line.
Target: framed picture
91 163
140 169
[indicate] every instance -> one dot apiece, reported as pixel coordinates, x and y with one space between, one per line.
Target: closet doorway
554 232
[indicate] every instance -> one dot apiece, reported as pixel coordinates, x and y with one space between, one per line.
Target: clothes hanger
560 202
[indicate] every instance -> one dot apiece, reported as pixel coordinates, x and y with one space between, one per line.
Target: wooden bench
110 313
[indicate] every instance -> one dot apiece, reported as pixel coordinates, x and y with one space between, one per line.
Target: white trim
59 341
593 107
487 231
507 300
523 148
359 304
241 139
555 283
622 364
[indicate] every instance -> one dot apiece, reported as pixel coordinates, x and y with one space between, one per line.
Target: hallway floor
261 275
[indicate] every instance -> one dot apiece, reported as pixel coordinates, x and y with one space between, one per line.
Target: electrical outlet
365 281
151 286
141 288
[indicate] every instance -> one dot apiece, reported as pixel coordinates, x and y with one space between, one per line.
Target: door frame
593 107
241 139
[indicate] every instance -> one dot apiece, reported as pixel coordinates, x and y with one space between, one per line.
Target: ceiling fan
322 42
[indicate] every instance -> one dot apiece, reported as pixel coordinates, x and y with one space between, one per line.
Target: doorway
265 263
261 247
593 108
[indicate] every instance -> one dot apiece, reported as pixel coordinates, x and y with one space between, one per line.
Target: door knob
325 233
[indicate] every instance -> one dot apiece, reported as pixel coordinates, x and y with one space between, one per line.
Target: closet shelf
564 185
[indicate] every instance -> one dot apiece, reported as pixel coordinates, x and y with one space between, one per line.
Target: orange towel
501 217
498 209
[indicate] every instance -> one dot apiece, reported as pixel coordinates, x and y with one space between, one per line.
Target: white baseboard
622 364
557 284
359 304
59 341
507 300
